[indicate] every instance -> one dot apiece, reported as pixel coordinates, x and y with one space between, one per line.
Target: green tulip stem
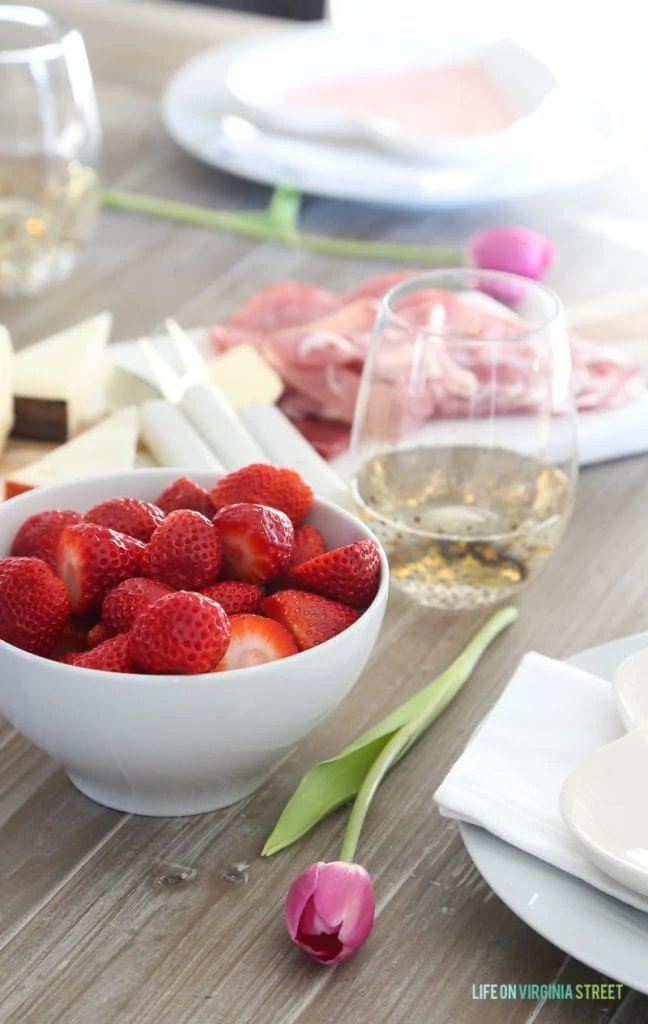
441 692
279 223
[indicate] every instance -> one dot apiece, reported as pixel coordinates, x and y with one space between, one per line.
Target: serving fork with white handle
262 433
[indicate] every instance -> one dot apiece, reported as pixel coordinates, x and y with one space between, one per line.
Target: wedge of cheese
245 377
109 447
60 382
6 392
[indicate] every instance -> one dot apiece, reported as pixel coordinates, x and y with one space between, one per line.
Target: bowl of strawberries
168 639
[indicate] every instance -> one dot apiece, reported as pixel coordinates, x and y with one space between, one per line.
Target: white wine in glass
464 438
49 149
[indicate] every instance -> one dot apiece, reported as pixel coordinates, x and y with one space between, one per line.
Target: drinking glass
49 149
464 437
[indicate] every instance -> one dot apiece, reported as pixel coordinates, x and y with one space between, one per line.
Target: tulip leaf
322 790
332 783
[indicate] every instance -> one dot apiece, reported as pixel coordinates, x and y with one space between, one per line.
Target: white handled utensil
285 446
261 434
172 440
204 405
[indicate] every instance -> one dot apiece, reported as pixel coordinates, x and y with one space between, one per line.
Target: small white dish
177 745
275 70
604 799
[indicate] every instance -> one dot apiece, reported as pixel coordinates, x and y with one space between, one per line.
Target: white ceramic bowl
176 745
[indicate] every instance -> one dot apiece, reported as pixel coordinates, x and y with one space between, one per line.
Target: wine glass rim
34 17
420 281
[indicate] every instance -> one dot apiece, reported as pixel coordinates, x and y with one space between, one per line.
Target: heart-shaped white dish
604 800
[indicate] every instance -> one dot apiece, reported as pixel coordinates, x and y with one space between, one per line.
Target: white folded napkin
509 778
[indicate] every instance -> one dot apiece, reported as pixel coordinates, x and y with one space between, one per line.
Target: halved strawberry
123 603
310 618
350 574
263 484
38 536
257 542
34 604
256 640
182 633
309 543
99 633
185 551
113 655
131 516
91 560
234 597
185 493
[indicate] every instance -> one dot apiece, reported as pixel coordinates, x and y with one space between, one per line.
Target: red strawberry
257 541
263 484
131 516
234 597
102 631
73 638
256 640
185 551
69 658
181 633
91 560
122 605
309 543
310 618
350 574
38 536
112 655
33 604
184 493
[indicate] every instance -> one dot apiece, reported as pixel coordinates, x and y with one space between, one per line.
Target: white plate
600 931
260 79
610 434
198 113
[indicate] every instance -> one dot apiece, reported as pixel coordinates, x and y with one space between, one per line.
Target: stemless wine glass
49 148
464 437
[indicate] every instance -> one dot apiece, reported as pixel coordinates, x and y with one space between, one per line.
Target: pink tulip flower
330 910
515 250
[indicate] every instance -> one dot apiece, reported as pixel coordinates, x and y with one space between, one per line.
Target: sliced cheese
6 392
245 377
59 383
107 448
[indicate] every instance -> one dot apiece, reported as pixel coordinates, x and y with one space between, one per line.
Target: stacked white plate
228 107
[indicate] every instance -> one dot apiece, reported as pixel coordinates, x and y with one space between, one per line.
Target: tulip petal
310 922
325 947
517 250
299 893
344 899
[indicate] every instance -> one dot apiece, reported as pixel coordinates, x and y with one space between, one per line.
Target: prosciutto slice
318 341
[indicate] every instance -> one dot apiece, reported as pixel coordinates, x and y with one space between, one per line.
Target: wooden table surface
91 931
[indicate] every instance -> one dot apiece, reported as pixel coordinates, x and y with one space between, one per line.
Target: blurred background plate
576 143
282 84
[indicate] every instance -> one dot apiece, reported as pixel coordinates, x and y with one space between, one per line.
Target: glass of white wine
464 439
50 142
